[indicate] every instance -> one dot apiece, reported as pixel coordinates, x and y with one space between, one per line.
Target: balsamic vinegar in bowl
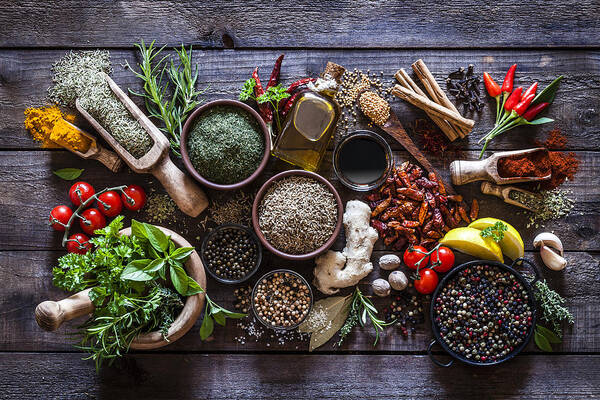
362 160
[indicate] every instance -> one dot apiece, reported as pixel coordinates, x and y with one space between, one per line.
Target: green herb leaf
496 232
540 121
156 237
193 286
138 230
542 342
207 327
179 279
547 95
219 318
274 94
182 253
247 90
231 314
68 174
548 334
133 273
155 265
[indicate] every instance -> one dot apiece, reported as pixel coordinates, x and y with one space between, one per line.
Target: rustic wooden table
546 39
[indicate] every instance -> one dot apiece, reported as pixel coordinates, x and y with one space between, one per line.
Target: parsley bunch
496 232
273 96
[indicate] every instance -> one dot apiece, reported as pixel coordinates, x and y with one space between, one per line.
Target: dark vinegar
362 160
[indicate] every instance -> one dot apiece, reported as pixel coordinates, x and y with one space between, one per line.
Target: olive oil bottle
311 123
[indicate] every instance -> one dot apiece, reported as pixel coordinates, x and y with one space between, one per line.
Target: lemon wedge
511 244
469 241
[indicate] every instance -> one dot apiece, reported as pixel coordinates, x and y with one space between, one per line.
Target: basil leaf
542 342
137 229
155 265
219 318
207 327
540 121
547 95
139 264
181 253
193 286
157 238
132 273
231 314
68 174
548 334
179 279
171 246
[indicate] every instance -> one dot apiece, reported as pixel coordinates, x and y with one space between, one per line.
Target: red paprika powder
533 164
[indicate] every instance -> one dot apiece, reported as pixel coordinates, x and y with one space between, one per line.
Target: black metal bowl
436 329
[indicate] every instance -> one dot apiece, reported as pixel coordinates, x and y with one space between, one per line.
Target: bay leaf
68 174
326 309
322 336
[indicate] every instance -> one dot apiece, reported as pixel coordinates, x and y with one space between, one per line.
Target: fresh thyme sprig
551 304
362 310
169 90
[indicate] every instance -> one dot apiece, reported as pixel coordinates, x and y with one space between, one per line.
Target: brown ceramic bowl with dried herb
188 153
309 244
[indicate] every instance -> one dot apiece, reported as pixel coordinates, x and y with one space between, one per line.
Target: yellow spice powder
47 126
68 136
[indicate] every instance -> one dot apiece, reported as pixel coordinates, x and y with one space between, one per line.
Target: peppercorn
231 253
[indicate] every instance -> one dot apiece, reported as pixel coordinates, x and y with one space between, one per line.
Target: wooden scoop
183 190
51 314
503 192
96 152
463 171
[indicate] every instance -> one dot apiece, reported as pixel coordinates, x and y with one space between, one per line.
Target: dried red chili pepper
289 103
410 193
274 79
265 110
463 213
381 206
299 83
474 210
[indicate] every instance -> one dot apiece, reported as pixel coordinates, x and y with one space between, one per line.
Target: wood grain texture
29 190
25 75
27 281
223 376
304 23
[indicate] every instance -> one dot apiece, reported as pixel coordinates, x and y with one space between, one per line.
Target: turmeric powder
47 125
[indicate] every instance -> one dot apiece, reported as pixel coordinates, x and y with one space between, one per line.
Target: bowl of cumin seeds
297 214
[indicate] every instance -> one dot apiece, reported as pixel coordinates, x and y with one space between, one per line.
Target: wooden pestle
51 314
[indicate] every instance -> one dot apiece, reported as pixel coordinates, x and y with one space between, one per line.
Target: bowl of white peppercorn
231 253
297 214
282 299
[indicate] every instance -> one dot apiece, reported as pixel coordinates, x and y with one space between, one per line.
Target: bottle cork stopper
334 70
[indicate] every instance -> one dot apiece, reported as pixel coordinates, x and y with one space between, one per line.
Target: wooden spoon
463 171
503 192
51 314
96 152
183 190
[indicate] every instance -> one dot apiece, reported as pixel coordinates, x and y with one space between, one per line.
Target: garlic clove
552 260
548 239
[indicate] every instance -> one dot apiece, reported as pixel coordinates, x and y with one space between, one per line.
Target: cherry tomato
445 257
78 243
91 220
428 281
412 256
80 192
135 199
110 204
59 216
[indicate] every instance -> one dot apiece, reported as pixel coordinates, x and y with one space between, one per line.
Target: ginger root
337 270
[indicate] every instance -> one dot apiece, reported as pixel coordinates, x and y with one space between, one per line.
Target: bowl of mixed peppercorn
483 313
231 253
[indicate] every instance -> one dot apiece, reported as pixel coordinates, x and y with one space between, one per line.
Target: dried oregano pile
297 215
78 75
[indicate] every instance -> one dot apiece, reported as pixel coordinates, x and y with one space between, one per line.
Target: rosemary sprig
362 310
160 74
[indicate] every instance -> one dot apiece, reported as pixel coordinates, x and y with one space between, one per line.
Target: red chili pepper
507 85
264 109
513 99
530 90
522 106
274 80
491 86
288 105
299 83
535 110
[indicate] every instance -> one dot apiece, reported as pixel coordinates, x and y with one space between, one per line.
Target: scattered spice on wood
433 141
407 311
297 215
412 207
564 167
549 205
533 164
464 86
225 145
555 140
160 208
233 209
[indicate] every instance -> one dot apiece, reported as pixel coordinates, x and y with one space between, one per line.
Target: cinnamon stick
435 91
405 80
427 105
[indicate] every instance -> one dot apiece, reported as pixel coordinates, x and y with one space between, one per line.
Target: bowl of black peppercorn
231 253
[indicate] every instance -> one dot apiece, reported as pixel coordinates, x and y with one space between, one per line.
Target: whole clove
464 86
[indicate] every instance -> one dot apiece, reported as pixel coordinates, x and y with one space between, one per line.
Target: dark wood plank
391 24
27 281
222 376
25 76
29 190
